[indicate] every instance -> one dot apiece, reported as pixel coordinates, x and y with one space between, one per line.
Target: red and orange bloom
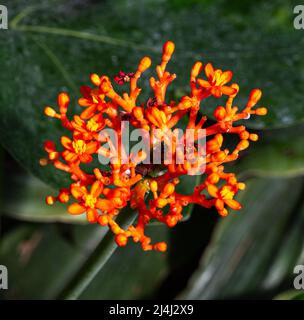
217 80
224 195
87 201
92 100
151 189
89 129
78 150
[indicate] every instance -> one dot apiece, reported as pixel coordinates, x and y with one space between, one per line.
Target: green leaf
290 295
255 250
30 193
290 253
186 186
41 263
54 46
278 153
95 262
131 273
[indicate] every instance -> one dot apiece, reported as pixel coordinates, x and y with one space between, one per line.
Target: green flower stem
96 261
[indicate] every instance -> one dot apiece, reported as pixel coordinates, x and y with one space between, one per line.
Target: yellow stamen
90 201
92 125
79 146
226 193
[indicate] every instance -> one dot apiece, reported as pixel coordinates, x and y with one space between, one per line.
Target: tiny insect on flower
150 189
123 77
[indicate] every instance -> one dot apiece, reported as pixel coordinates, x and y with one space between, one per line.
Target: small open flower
78 150
217 80
92 100
88 130
224 196
87 201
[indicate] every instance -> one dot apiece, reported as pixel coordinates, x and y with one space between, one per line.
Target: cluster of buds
150 189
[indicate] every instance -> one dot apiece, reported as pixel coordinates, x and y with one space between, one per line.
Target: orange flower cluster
102 193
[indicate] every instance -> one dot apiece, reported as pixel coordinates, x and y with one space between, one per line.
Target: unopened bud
153 186
63 102
50 112
253 137
220 113
138 113
255 95
103 220
95 79
243 144
161 246
261 111
196 69
50 200
168 189
144 64
121 240
168 50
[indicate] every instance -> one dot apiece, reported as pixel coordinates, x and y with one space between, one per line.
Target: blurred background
52 46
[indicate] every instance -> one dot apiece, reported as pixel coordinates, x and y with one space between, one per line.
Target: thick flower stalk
129 180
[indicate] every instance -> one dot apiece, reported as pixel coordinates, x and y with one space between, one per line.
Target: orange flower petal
225 77
69 156
204 83
78 120
96 188
92 215
219 204
209 70
216 91
88 112
78 192
66 142
151 118
213 190
76 208
85 158
104 205
228 90
223 212
92 147
233 204
77 128
84 102
98 117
